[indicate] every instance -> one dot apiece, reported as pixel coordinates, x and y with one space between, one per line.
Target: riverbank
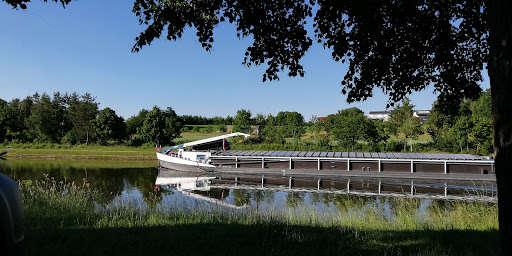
63 219
56 151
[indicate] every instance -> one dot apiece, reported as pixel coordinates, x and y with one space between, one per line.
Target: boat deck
355 161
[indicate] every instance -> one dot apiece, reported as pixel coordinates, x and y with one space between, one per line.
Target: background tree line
76 119
467 130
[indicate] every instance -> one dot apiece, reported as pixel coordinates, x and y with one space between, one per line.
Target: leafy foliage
399 47
109 126
22 4
347 126
404 121
4 117
161 127
135 122
81 111
242 121
278 28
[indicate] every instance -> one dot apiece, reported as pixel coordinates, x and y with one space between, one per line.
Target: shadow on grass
264 239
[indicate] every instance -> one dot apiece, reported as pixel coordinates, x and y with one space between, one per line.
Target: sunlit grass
444 228
79 151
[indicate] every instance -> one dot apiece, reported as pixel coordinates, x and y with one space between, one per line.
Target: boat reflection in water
191 184
214 187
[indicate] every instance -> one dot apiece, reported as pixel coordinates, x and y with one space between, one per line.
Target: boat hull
179 164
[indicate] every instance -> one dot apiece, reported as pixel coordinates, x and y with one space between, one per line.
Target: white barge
194 156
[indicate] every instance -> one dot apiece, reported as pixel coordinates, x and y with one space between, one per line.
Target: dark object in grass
11 216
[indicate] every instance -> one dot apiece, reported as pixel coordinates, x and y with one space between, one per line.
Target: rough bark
500 59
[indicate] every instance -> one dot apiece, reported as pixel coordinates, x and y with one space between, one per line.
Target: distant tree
45 121
292 123
318 129
406 123
135 122
161 127
460 131
109 126
17 128
273 132
375 133
60 106
481 122
82 111
260 120
436 122
229 120
4 119
242 121
348 126
218 120
481 107
481 133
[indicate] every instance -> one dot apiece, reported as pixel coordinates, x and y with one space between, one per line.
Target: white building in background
384 115
379 115
423 114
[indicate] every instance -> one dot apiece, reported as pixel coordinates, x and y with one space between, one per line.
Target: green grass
44 164
61 218
80 151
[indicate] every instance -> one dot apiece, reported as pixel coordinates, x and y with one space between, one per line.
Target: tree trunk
411 144
500 60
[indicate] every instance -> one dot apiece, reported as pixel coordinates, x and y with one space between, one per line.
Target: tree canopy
109 126
403 120
398 46
242 121
22 4
161 127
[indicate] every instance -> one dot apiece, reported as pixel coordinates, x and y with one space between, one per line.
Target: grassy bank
79 151
63 219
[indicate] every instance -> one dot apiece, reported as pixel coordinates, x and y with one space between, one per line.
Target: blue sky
87 48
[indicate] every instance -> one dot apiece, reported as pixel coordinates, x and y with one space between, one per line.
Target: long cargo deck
356 161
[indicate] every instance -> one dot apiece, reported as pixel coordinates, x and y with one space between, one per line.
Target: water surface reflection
141 184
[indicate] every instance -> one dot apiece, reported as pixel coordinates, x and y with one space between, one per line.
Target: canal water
143 184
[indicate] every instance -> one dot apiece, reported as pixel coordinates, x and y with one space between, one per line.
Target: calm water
143 184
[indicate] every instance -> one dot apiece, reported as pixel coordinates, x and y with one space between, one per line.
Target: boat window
200 157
